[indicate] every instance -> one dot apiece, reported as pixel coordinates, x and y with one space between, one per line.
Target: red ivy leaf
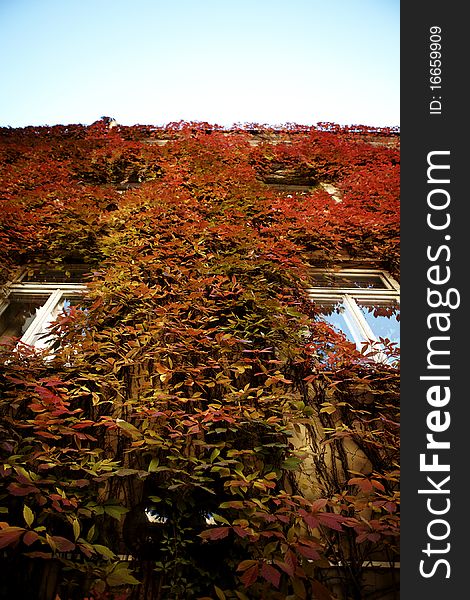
291 560
285 567
311 521
250 576
318 505
63 544
46 434
20 490
331 520
86 550
308 552
288 566
377 485
364 484
271 574
217 533
240 531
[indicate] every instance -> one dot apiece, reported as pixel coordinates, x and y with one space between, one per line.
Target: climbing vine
184 437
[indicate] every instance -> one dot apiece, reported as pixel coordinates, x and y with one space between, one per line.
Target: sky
153 62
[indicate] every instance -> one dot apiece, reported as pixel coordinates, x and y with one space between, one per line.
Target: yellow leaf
76 528
28 515
219 593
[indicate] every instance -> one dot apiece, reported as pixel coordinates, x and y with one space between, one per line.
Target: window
362 303
29 307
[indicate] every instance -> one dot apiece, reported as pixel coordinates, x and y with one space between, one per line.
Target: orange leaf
10 535
30 537
215 534
246 564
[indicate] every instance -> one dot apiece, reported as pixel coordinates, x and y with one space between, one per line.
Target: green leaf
115 511
291 464
129 429
270 548
104 551
153 465
214 455
121 576
220 519
91 534
328 408
293 313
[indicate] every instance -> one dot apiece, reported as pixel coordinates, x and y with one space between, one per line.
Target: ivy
182 385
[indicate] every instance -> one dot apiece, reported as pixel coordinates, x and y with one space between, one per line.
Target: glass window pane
43 336
341 280
18 316
65 305
340 318
383 319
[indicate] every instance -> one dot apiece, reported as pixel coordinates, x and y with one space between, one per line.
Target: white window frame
360 329
54 295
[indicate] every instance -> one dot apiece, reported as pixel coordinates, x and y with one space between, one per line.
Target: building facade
199 335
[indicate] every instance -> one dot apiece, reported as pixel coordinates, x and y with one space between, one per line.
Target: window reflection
43 337
361 304
18 316
383 319
29 310
336 315
341 280
362 320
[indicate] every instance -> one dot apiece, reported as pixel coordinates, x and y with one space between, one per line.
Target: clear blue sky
156 61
